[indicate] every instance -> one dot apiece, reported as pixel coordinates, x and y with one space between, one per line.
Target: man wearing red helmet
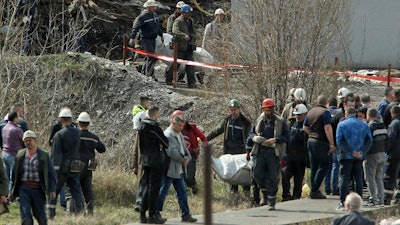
192 134
267 141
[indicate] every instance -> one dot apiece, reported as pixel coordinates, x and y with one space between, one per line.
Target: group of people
37 177
181 26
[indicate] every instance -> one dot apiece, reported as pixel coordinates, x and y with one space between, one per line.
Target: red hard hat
267 103
177 113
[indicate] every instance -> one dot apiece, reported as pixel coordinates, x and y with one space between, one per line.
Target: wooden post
389 75
124 50
207 186
175 65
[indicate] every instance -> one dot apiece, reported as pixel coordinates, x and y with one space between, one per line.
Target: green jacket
3 181
47 174
137 109
179 30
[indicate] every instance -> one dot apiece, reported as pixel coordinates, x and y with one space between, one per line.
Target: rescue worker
299 97
140 108
150 28
34 177
183 30
341 94
268 140
66 159
192 135
89 143
235 128
296 156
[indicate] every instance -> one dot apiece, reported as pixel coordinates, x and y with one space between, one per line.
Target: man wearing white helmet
66 159
341 94
212 29
89 143
149 26
299 97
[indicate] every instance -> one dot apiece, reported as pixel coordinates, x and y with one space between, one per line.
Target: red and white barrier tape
230 65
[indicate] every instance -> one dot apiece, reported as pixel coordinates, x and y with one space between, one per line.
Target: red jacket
191 133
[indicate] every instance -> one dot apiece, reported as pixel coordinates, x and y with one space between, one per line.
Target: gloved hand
283 163
258 139
248 156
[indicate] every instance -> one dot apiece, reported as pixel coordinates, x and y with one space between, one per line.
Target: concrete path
299 212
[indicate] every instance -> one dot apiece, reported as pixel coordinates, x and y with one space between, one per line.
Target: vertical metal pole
175 65
207 186
124 50
389 75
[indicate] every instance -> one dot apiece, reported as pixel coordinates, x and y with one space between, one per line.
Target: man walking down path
12 142
151 141
179 158
268 140
320 143
376 158
354 139
235 128
353 216
149 26
66 159
34 178
89 143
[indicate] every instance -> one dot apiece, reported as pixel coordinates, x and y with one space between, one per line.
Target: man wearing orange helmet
192 135
268 140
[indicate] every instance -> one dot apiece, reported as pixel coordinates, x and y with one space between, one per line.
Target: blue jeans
332 174
319 159
9 161
32 200
181 194
350 168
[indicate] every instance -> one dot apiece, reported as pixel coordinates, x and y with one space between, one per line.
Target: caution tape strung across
230 65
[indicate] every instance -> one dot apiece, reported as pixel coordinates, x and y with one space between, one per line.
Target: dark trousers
319 159
266 174
188 55
190 177
148 45
87 189
296 165
350 168
32 200
151 181
72 181
392 173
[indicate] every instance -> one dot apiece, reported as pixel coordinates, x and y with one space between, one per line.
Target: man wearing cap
267 141
183 30
12 142
235 127
299 97
149 25
66 159
89 143
341 94
214 33
296 155
34 178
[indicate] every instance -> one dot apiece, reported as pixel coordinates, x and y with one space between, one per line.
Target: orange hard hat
267 103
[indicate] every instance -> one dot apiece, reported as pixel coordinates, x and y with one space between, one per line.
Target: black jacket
380 141
89 143
352 218
65 147
151 136
148 24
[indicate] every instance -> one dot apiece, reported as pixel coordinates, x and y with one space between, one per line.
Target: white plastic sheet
234 169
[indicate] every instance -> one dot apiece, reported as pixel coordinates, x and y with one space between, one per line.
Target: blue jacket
148 24
352 218
394 138
353 135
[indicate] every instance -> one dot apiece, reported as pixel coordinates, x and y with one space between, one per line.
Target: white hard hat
28 134
300 94
84 117
180 4
150 3
300 109
219 11
342 92
65 112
